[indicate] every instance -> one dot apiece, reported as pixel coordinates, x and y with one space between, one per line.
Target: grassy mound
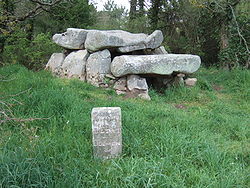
186 137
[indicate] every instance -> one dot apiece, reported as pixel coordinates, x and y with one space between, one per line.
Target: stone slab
72 39
154 64
107 132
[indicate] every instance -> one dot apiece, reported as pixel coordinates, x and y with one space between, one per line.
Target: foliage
32 54
22 29
68 14
236 54
204 144
138 25
111 17
203 27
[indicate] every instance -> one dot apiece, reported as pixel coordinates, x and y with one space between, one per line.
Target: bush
33 54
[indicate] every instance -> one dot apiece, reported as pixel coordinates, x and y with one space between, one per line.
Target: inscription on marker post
107 132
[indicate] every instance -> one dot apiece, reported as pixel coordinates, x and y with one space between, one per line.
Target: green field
185 137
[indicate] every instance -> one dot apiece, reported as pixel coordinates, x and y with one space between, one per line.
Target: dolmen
126 62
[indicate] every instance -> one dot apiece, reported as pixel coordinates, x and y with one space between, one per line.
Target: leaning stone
107 132
55 62
71 39
74 65
98 65
121 84
136 82
190 82
155 64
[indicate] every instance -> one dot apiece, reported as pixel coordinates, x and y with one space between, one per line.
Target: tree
141 7
132 13
111 17
155 12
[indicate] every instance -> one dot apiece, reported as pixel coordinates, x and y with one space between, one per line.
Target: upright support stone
98 65
107 132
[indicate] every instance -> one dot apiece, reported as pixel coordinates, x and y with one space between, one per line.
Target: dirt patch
217 88
180 106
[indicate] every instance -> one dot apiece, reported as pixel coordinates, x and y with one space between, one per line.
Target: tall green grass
203 144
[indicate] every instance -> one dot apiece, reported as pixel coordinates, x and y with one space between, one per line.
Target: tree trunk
224 42
132 14
141 7
155 10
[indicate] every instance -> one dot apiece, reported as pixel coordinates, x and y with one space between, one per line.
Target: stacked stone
119 59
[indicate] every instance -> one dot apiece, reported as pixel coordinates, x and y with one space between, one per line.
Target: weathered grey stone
110 76
151 42
98 65
136 82
71 39
154 64
138 87
190 82
177 81
107 132
55 62
74 65
157 51
121 84
124 41
155 39
98 40
118 92
145 96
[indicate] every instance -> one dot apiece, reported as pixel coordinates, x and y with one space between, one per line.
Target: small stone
180 75
136 82
110 76
107 132
121 84
104 85
190 82
118 92
144 96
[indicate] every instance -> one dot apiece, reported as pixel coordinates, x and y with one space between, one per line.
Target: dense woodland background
217 30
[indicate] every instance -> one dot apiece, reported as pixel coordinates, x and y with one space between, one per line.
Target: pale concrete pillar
107 132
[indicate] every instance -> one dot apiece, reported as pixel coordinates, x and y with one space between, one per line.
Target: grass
205 143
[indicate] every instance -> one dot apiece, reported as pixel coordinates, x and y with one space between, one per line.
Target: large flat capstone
71 39
124 41
107 132
155 64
